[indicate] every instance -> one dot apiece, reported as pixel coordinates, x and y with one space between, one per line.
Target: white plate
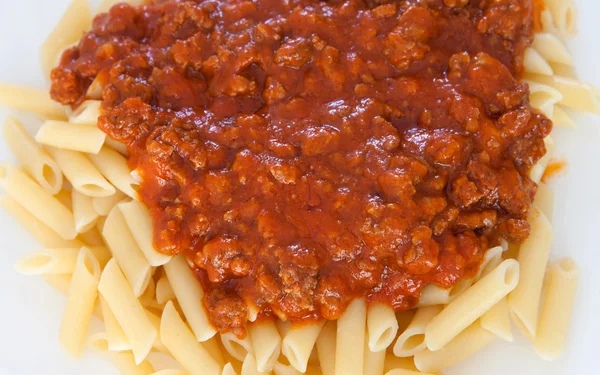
31 311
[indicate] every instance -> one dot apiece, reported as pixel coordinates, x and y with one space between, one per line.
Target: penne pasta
228 370
537 171
68 136
544 200
249 367
432 294
350 339
561 118
125 251
534 62
525 299
412 340
182 344
463 346
37 201
103 205
299 342
114 167
87 113
552 48
374 362
164 293
497 321
115 337
92 237
236 347
83 212
491 260
382 327
31 156
188 292
30 99
81 173
81 298
544 97
556 312
128 311
266 343
172 372
392 363
155 321
139 222
49 262
576 95
406 372
564 15
470 305
126 364
69 29
326 347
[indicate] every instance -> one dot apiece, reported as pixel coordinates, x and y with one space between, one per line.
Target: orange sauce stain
555 168
538 8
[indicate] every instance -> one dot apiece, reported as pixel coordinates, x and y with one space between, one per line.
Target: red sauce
303 153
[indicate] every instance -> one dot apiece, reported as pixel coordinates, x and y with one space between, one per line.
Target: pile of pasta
74 192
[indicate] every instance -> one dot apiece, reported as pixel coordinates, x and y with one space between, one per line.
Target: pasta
115 337
467 343
382 327
83 212
249 367
30 99
266 343
559 298
81 173
81 297
374 361
125 251
350 338
533 257
299 342
326 344
236 347
182 344
564 15
188 293
497 321
37 163
139 223
87 113
49 262
73 23
470 305
103 205
128 311
114 167
37 201
165 293
69 136
412 340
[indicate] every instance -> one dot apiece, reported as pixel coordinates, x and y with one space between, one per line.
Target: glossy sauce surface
303 153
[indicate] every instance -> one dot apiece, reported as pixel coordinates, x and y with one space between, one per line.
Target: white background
30 311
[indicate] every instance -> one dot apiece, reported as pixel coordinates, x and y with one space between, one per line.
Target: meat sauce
303 153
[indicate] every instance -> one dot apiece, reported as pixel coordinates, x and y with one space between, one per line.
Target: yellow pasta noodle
382 327
37 201
266 342
350 339
30 99
83 212
37 162
326 348
182 344
48 262
81 173
299 342
81 298
497 321
114 167
533 257
68 136
103 205
374 362
87 113
125 251
188 292
555 318
412 340
470 305
116 339
139 223
127 309
463 346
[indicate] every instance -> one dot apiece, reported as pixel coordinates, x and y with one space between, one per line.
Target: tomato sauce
303 153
